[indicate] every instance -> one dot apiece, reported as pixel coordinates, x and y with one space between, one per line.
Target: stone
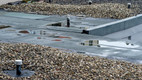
103 10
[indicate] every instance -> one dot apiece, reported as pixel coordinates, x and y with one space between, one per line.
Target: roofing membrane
39 33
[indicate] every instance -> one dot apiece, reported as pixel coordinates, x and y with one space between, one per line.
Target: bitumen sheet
24 73
134 32
35 31
7 1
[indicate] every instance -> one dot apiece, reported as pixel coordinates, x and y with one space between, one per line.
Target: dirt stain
3 26
56 40
24 32
62 37
38 37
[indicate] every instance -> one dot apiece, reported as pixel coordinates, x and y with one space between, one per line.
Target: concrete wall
116 26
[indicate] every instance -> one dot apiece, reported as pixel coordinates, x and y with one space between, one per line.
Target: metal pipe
18 67
129 5
129 37
89 2
50 1
68 21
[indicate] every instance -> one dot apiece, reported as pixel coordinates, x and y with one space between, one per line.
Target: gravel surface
104 10
51 63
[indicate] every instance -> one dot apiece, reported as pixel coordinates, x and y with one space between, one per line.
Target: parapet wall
116 26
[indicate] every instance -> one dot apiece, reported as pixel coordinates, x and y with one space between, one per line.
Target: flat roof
38 33
7 1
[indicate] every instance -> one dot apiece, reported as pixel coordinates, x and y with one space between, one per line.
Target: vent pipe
18 67
50 1
129 5
89 2
68 21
